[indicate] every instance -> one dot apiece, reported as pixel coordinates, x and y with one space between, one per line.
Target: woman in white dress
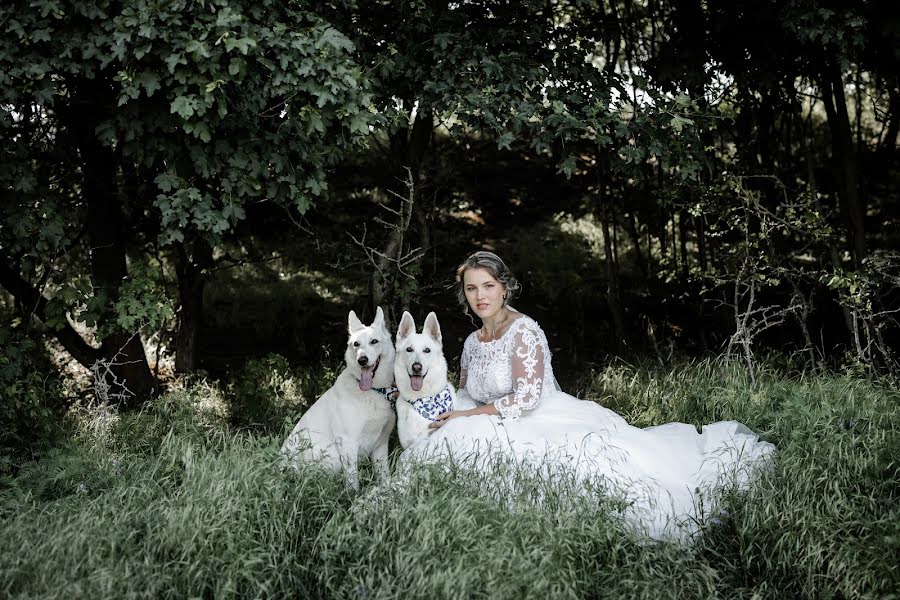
521 414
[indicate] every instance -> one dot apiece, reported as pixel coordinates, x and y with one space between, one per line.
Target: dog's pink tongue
365 378
416 381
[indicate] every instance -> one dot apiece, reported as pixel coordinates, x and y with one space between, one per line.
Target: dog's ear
407 326
433 328
379 317
353 323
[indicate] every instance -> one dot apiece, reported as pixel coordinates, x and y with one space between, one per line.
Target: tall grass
174 503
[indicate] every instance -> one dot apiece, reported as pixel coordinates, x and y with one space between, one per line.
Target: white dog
353 418
420 373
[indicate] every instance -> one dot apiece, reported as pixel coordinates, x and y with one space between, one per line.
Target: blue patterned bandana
388 393
431 406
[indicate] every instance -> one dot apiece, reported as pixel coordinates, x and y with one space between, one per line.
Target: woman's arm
484 409
527 374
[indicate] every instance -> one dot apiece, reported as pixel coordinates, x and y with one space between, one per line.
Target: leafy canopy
213 104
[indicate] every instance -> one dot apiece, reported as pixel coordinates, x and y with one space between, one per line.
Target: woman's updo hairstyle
494 265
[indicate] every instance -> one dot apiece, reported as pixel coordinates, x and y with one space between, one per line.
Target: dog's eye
356 344
373 342
426 350
409 349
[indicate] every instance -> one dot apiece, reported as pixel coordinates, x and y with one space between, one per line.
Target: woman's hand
484 409
444 417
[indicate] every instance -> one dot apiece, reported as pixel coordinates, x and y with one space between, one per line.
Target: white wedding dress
664 474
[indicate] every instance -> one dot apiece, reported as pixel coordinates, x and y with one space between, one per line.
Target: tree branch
25 293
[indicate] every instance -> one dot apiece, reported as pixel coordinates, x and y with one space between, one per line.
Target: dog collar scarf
431 406
388 393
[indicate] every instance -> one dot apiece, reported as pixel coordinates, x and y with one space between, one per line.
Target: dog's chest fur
380 417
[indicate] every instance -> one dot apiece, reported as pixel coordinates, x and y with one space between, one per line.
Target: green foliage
206 98
840 33
205 108
29 399
213 111
75 297
261 91
866 294
528 72
266 394
550 276
142 303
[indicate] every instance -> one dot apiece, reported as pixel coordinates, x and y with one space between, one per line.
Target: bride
520 413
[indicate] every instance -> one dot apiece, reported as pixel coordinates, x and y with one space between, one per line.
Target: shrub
30 399
264 393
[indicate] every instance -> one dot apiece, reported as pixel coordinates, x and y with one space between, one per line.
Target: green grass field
175 503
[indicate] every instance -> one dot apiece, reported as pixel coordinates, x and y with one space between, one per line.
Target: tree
139 122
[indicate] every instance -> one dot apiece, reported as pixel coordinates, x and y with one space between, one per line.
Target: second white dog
420 373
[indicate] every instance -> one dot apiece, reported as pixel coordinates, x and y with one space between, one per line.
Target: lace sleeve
463 376
464 361
527 374
461 392
462 395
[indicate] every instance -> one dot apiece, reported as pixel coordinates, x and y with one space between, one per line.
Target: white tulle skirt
666 475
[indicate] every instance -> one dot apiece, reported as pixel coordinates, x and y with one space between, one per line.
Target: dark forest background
187 185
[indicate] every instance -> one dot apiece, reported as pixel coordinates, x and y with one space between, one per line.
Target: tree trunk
129 375
612 280
191 269
615 238
408 150
674 236
888 143
682 242
631 229
845 157
700 226
832 250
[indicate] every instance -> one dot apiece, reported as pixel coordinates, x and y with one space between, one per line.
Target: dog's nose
363 360
417 368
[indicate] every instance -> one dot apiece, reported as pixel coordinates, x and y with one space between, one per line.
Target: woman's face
483 292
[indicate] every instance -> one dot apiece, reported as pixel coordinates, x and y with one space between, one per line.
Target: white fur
347 423
427 349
